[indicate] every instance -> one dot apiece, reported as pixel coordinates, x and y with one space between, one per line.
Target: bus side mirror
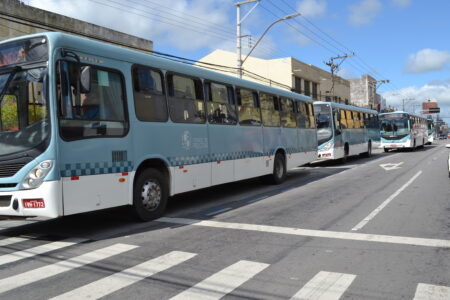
85 80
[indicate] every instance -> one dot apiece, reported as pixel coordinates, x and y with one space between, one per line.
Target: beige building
18 19
287 73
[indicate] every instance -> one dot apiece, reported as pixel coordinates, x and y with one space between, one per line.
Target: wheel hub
151 195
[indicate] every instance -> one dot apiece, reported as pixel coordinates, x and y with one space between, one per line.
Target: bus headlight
36 176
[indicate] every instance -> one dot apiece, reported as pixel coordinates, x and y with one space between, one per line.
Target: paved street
372 228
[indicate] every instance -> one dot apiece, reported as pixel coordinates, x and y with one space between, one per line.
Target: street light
265 31
238 32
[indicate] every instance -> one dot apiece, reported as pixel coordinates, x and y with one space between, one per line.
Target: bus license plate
33 203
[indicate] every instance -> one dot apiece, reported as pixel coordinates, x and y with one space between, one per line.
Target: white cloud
401 3
312 8
427 60
364 12
438 90
185 24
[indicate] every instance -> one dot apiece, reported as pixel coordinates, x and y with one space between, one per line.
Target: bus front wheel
150 195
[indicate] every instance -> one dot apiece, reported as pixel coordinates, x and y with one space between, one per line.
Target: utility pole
238 32
335 67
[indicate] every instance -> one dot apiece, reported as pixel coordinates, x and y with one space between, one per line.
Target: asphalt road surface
372 228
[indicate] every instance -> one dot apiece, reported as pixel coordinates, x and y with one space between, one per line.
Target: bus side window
302 115
343 119
220 104
185 99
287 113
337 120
312 120
149 97
270 110
249 112
349 118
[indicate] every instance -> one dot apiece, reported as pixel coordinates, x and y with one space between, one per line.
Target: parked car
442 136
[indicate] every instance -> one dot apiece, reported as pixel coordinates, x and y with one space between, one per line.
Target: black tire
346 151
279 170
386 149
369 150
150 194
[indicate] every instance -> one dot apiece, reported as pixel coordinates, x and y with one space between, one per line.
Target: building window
307 88
297 84
314 90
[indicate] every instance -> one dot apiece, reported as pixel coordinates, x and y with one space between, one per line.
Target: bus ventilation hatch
118 156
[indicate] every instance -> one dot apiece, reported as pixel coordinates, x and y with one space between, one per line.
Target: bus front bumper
44 201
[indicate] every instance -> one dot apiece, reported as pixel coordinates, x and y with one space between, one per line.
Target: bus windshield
323 123
23 111
23 102
394 127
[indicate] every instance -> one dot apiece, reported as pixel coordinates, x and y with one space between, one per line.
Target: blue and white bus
345 130
431 131
85 125
402 130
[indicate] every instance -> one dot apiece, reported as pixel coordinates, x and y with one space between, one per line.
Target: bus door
93 157
337 126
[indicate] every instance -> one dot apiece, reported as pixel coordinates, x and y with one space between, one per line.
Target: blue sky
404 41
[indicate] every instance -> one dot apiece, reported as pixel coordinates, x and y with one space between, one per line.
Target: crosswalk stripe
18 255
223 282
22 279
432 292
325 286
115 282
12 240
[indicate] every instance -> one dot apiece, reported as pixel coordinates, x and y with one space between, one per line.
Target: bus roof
345 106
103 49
402 112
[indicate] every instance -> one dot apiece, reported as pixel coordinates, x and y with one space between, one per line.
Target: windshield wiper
12 71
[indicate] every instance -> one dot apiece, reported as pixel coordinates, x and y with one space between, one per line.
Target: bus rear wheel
150 195
279 171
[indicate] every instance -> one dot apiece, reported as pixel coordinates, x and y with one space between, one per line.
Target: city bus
402 130
431 131
86 125
345 130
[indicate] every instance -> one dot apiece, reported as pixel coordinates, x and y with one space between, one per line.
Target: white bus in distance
344 130
404 130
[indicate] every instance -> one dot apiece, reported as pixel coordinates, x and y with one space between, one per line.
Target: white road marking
117 281
18 255
384 204
12 240
352 236
22 279
391 166
431 292
223 282
325 286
